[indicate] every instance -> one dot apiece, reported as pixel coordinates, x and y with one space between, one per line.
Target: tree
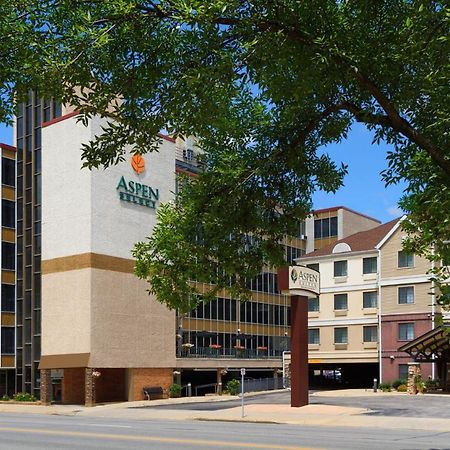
263 85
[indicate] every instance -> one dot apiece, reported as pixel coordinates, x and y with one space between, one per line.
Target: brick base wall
73 386
140 378
110 386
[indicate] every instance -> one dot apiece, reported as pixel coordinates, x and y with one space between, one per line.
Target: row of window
250 312
370 334
405 260
324 228
370 300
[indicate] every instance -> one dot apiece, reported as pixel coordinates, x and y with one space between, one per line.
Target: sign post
242 392
300 283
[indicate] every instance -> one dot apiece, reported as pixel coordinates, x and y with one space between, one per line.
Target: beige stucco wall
389 259
350 223
355 352
100 307
422 299
66 313
129 328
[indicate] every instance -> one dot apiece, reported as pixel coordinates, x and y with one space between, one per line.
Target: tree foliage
263 85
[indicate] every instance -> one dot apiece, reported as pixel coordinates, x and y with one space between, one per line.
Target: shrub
432 384
24 397
6 398
175 391
402 388
385 387
233 387
397 383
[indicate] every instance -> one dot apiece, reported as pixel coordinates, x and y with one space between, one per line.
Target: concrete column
219 381
299 350
46 386
89 387
413 372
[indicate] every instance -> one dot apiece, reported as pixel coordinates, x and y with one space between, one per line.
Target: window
370 265
405 259
370 333
7 341
313 304
340 268
405 295
324 228
406 331
314 336
403 371
340 302
8 172
341 335
370 299
8 256
313 266
8 213
8 297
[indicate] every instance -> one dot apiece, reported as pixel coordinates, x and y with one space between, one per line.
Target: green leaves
264 87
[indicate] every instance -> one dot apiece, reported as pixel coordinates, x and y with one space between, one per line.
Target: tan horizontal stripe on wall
8 193
87 260
8 276
8 319
8 361
64 361
11 154
8 235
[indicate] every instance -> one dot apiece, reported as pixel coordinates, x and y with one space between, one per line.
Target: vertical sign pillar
299 351
299 283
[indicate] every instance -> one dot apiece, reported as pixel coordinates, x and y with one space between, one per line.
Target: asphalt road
32 431
404 406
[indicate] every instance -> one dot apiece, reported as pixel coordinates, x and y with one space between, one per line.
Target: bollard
189 390
219 389
375 385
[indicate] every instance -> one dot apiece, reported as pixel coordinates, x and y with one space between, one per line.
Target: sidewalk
313 415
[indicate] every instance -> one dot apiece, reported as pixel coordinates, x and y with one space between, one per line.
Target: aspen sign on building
304 279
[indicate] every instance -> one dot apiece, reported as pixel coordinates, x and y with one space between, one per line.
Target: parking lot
432 406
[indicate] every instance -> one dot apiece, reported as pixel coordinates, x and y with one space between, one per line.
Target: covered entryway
433 347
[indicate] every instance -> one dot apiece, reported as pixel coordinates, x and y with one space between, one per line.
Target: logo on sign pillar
138 164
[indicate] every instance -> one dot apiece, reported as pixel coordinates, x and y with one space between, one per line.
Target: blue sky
363 190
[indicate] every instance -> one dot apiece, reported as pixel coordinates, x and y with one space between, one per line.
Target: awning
65 361
431 346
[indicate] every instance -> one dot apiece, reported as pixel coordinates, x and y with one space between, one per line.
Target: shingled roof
364 240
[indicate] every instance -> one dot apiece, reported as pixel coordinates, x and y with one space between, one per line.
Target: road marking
125 437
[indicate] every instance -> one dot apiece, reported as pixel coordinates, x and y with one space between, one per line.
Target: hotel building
82 229
374 298
8 275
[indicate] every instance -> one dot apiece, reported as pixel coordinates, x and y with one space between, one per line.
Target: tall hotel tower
28 330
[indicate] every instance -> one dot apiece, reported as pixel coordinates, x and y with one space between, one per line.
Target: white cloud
394 211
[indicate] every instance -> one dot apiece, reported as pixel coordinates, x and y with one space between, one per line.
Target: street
25 431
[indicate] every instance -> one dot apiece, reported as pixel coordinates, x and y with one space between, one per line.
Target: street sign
242 371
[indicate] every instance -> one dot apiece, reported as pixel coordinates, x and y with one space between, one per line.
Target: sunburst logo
138 164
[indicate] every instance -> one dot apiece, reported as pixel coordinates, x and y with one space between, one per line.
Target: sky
363 189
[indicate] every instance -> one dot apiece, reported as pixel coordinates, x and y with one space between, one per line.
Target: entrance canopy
430 347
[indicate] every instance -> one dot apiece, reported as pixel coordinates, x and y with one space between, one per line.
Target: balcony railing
245 353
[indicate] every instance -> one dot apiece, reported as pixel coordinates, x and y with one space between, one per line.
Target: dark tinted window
8 297
8 172
8 213
7 340
8 256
